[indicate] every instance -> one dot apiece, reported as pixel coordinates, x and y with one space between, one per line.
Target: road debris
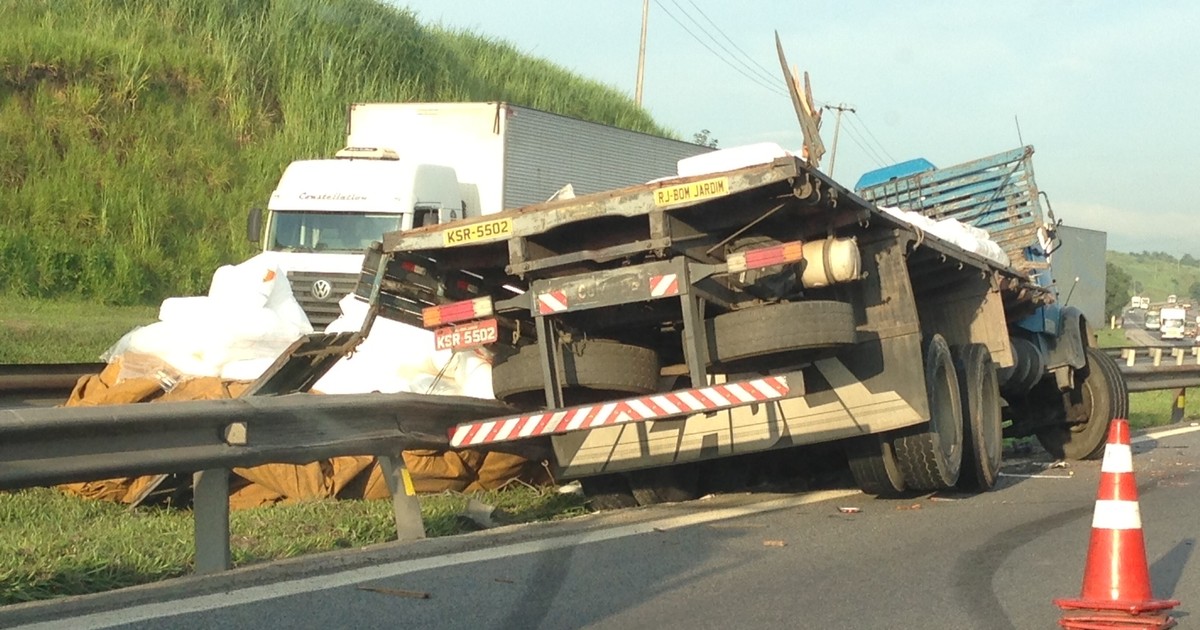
915 506
479 513
1070 473
1058 464
849 510
398 592
774 543
937 498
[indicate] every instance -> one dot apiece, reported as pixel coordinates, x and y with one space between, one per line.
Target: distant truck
410 165
752 305
1172 322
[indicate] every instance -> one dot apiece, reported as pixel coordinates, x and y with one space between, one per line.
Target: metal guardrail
1150 368
43 384
69 444
61 445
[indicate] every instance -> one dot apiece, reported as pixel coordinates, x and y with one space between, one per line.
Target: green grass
53 544
42 331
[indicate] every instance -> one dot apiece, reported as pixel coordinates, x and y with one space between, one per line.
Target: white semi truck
416 164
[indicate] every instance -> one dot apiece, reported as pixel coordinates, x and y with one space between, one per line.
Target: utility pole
637 98
837 127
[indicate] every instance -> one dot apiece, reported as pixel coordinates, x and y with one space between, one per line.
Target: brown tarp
358 477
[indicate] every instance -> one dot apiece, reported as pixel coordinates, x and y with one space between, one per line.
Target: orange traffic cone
1116 582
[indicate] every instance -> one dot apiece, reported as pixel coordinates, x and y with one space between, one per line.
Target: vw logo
321 289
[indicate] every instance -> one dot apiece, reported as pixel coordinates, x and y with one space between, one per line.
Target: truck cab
1171 324
324 214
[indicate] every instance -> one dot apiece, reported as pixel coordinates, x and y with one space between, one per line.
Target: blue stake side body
997 194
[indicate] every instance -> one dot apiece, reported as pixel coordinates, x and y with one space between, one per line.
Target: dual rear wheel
960 446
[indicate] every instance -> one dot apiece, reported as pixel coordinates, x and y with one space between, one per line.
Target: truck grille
319 292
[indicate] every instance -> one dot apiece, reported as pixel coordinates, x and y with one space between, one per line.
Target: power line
753 78
867 147
870 152
877 142
761 70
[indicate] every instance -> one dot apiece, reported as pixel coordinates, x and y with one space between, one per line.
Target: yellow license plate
494 230
692 191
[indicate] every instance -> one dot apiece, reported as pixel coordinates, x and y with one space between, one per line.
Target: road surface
992 561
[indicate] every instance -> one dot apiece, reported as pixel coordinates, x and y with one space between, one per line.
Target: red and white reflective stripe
456 312
665 285
552 302
642 408
765 256
412 266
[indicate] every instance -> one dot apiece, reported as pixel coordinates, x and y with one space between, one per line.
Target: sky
1105 91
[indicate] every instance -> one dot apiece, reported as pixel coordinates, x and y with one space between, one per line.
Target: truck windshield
293 231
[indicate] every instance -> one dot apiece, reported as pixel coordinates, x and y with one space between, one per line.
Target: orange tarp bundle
340 477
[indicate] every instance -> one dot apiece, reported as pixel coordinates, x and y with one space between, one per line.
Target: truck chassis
607 315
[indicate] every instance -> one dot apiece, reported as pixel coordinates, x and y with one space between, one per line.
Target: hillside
137 133
1157 275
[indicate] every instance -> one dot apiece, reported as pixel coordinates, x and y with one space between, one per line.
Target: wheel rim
946 425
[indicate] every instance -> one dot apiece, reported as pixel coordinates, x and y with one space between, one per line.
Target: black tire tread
669 484
916 448
980 468
597 364
607 492
779 328
1062 442
870 459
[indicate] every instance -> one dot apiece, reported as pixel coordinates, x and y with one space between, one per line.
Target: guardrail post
1157 357
1196 353
1177 409
1131 358
210 507
1177 354
405 506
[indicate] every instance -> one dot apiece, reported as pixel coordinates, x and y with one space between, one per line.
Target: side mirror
254 225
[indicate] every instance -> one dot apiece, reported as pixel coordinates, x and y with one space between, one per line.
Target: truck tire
764 336
1100 396
873 466
669 484
930 454
594 370
983 440
607 492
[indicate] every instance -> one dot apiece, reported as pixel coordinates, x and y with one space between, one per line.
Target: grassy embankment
136 134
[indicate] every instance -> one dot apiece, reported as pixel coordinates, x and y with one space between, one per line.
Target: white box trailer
417 164
516 156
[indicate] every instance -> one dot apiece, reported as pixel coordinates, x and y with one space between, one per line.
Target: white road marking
351 577
1163 434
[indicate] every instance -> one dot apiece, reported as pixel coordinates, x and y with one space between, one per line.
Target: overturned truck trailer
647 330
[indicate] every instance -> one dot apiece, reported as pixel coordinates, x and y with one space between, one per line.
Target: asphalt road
991 561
